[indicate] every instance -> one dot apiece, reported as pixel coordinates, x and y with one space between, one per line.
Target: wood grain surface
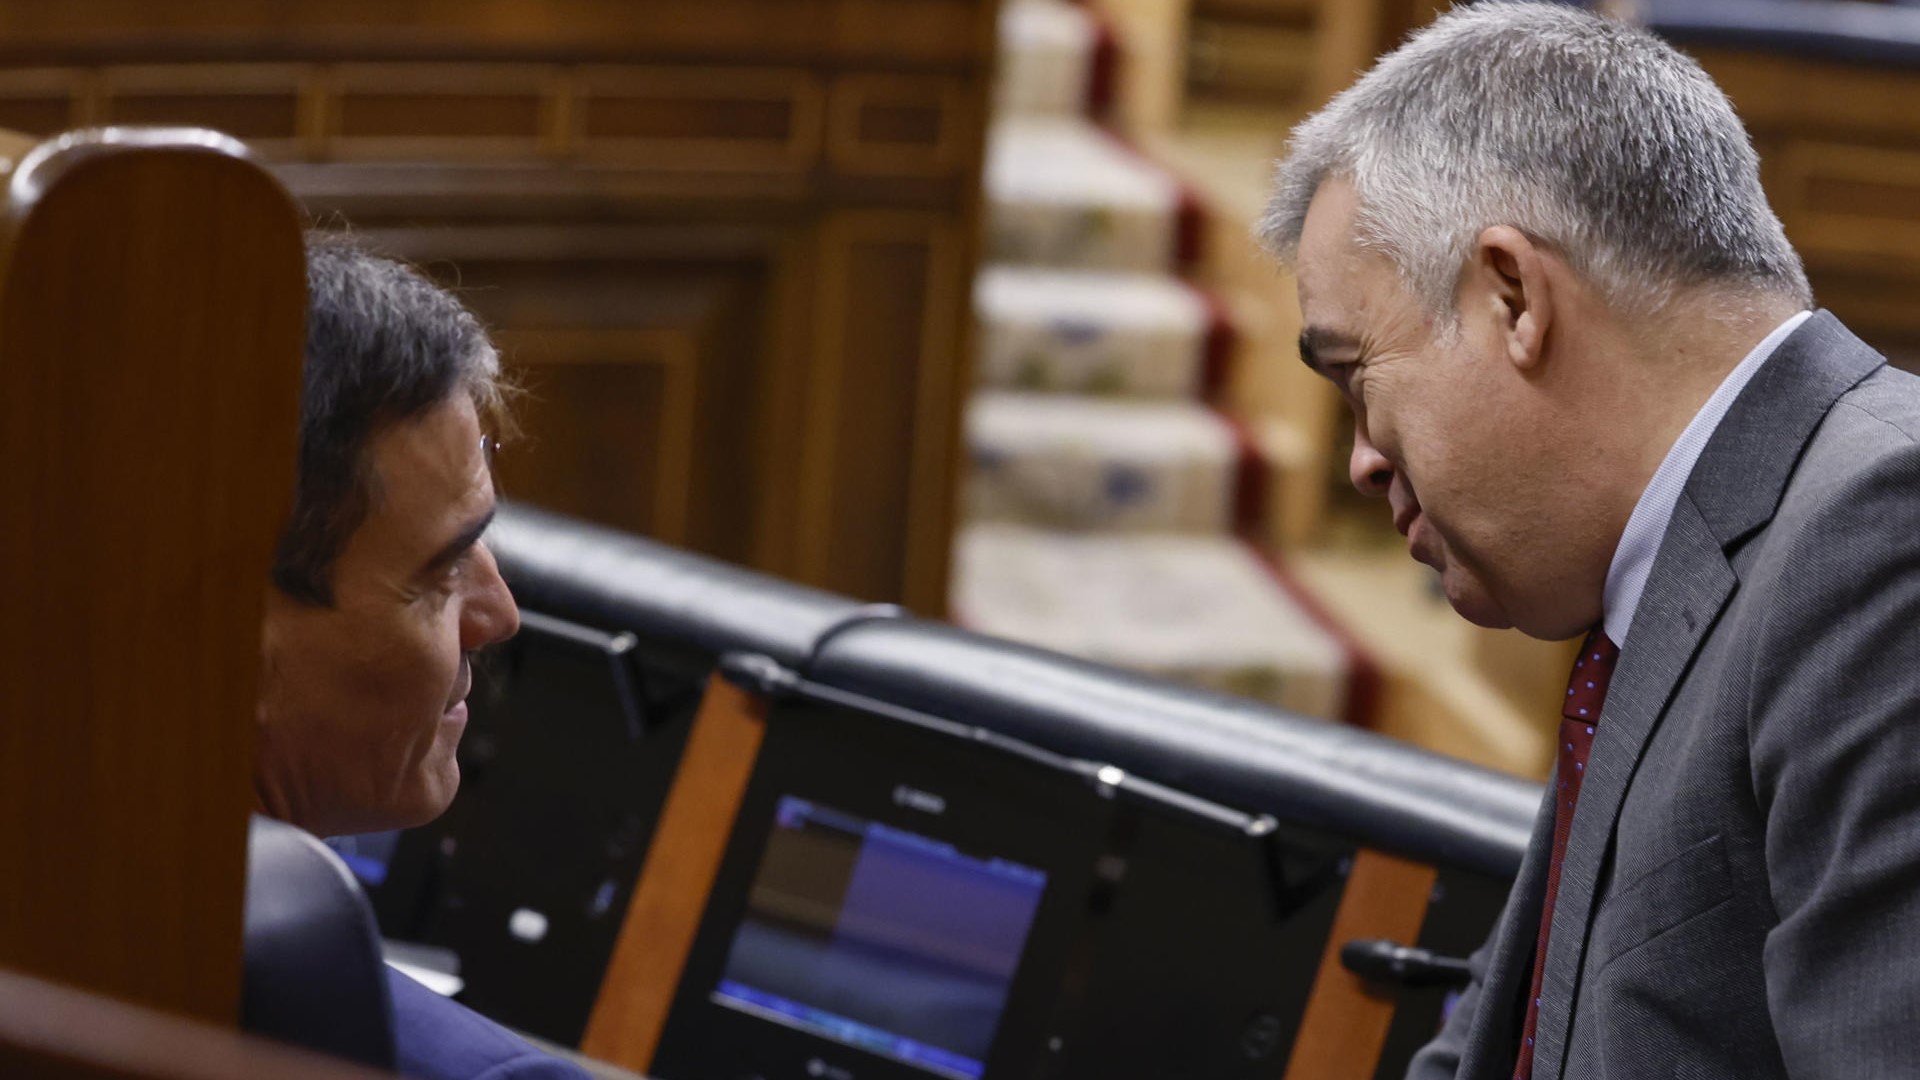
665 913
152 304
54 1032
1345 1026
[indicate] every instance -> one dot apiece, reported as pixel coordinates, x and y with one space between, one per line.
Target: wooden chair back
152 304
54 1032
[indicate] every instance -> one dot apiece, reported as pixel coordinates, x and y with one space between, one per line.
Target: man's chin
433 790
427 806
1471 600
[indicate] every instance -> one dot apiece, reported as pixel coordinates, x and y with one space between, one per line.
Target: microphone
1390 961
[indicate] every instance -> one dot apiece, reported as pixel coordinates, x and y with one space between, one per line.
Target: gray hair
1590 136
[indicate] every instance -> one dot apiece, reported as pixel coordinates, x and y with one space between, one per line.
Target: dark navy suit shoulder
436 1038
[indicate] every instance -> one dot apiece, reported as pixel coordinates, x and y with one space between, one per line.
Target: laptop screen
879 938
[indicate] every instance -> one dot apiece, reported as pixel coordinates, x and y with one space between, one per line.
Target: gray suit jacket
1741 893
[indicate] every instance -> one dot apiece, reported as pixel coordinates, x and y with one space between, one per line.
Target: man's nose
490 615
1368 468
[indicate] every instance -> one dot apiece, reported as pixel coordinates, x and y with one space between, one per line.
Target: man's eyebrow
459 545
1315 340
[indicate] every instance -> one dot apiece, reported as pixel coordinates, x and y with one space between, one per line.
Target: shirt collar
1633 558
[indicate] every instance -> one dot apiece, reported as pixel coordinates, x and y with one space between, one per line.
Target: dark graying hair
384 345
1590 136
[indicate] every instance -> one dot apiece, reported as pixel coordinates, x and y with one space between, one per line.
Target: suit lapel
1731 493
1493 1040
1690 584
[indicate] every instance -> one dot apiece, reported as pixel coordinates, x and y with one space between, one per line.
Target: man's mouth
1410 521
1420 541
462 686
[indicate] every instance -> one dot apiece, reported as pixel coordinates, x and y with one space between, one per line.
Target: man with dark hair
382 592
382 589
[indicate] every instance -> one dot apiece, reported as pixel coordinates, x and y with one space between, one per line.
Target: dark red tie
1586 690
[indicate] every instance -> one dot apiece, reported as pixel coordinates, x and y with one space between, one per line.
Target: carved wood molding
746 119
944 35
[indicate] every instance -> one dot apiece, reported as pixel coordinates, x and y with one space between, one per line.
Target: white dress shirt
1633 559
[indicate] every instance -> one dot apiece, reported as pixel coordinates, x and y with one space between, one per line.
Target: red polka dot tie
1586 690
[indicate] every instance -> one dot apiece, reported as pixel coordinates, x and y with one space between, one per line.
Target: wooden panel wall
727 243
1286 57
1840 155
886 32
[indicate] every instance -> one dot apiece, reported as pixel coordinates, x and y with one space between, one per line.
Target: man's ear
1513 284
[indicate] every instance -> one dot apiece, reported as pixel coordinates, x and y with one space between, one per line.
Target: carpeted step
1204 610
1063 192
1047 59
1079 463
1104 335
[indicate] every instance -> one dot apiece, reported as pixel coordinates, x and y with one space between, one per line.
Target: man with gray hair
1533 253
